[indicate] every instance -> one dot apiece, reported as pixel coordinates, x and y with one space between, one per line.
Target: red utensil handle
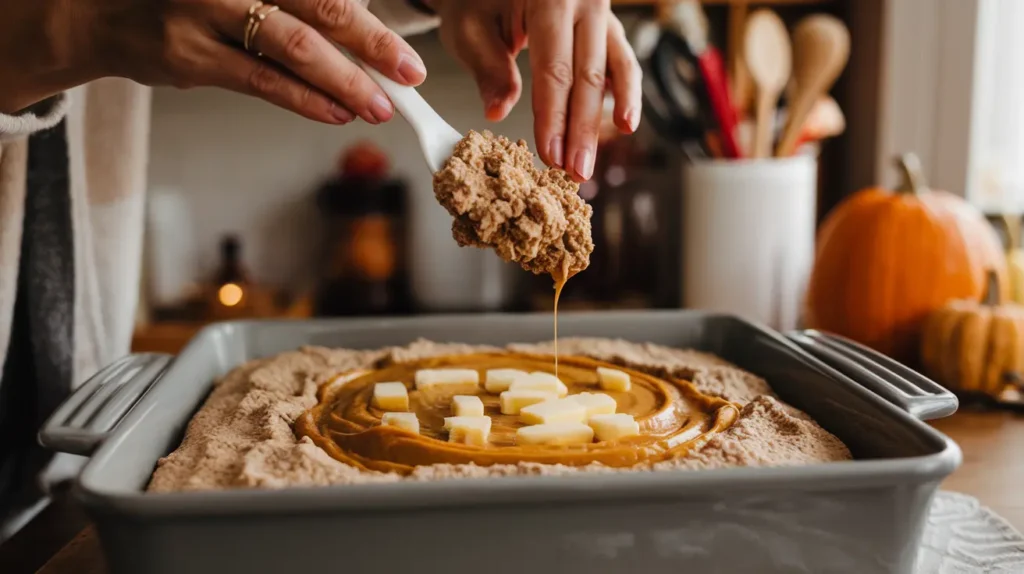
713 70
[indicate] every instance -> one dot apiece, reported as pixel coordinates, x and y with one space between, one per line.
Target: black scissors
675 98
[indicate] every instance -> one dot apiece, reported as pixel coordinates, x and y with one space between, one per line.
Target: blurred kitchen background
254 212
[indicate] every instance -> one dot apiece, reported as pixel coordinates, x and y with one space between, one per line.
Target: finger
517 26
492 64
550 26
307 54
351 25
587 97
625 78
237 71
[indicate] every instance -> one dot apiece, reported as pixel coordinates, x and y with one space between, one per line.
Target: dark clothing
37 373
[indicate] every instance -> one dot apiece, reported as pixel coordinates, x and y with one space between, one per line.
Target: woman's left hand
576 48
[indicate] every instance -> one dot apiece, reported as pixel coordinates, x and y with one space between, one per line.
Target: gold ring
258 12
249 21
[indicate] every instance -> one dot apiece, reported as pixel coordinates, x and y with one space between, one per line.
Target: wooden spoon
769 58
821 48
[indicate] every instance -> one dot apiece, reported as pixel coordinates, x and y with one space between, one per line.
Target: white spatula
437 138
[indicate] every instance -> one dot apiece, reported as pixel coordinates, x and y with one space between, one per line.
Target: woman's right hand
188 43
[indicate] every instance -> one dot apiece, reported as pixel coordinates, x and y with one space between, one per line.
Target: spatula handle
436 136
407 100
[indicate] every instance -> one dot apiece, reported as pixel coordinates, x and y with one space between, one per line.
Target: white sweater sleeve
41 116
403 17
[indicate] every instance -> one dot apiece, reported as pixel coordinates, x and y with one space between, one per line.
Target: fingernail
411 70
584 163
495 109
380 108
633 119
555 151
341 114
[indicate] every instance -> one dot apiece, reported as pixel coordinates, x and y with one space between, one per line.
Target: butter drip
673 416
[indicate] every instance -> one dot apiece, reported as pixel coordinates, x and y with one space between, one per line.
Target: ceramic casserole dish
858 517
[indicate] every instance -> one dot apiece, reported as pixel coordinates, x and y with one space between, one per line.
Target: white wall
250 168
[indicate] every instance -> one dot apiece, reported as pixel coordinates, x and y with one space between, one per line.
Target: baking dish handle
900 385
82 422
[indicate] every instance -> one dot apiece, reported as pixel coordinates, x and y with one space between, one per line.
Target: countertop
993 446
61 541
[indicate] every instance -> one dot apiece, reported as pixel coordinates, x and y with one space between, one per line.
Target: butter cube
556 411
404 421
614 426
468 430
447 379
566 433
499 380
467 406
613 380
596 403
390 397
513 401
539 381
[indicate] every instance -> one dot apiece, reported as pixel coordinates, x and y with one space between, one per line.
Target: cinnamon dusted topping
500 199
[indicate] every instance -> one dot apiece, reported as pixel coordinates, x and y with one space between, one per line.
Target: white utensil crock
748 237
446 277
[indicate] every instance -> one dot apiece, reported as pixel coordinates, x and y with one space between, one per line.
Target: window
953 92
996 163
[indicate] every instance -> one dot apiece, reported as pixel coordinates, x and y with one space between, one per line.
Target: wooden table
993 445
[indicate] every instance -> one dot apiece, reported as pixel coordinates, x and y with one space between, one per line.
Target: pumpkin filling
673 417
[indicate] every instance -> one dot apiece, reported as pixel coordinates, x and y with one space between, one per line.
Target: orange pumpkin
885 260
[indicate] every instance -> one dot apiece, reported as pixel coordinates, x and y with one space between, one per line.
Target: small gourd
975 347
1014 258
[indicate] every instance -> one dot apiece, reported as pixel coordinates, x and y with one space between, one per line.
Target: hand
189 43
575 47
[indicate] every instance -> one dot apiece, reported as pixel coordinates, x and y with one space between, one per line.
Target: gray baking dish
858 517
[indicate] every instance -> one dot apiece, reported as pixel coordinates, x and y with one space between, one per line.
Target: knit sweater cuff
403 17
37 117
